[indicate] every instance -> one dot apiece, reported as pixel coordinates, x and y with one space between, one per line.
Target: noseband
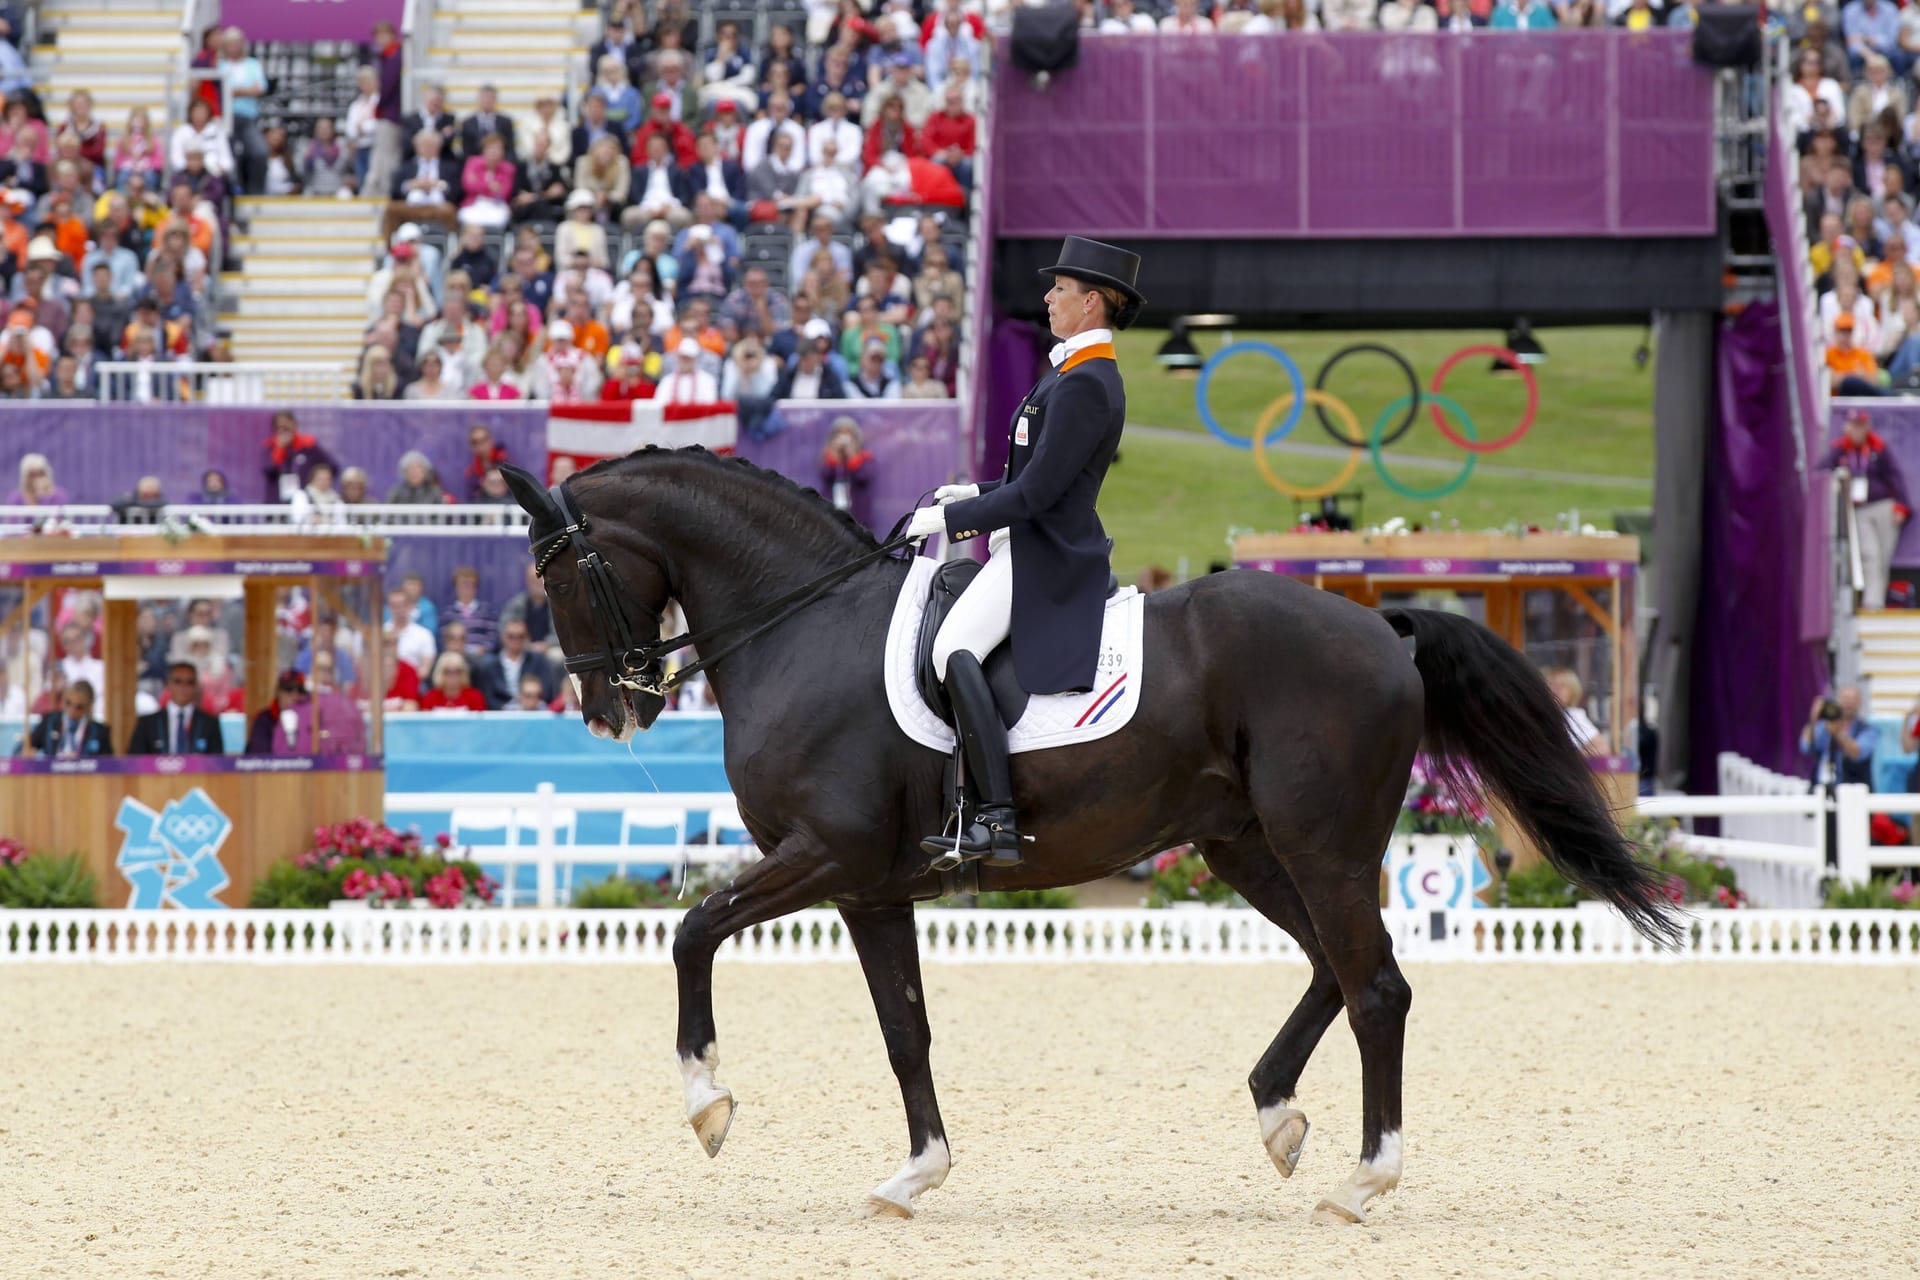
630 665
638 666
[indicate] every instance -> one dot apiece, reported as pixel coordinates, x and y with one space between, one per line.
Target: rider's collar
1078 342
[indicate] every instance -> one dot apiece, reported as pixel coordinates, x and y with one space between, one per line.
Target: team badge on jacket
1020 432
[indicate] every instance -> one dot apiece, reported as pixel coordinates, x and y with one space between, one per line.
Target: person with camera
1839 739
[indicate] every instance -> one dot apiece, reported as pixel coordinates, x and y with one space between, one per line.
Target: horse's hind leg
1342 898
1250 867
890 955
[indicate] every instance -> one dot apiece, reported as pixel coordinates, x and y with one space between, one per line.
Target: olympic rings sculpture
1394 421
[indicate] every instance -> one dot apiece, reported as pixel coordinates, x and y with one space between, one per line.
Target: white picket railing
947 935
551 817
253 382
377 519
1774 831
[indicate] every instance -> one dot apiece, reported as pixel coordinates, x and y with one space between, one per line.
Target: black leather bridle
639 665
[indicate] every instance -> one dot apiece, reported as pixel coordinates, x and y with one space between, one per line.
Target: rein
639 666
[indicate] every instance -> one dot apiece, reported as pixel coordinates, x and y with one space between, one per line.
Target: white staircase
301 292
524 48
1890 659
123 52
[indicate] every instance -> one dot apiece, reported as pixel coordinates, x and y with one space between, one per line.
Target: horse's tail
1493 725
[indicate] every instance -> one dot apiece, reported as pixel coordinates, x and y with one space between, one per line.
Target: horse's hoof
878 1206
1285 1134
712 1124
1329 1214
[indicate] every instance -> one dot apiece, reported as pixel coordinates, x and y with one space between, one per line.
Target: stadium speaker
1046 39
1727 35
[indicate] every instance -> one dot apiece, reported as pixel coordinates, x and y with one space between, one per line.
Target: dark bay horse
1276 732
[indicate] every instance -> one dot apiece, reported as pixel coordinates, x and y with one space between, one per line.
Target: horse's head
601 612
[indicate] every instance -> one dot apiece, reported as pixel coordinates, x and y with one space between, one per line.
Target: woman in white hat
580 233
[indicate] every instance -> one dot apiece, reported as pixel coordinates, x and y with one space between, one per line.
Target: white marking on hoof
709 1106
923 1172
1347 1203
1284 1131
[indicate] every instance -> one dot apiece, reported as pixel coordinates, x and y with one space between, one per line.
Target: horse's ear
526 490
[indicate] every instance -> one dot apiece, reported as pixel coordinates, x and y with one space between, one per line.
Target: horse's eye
561 589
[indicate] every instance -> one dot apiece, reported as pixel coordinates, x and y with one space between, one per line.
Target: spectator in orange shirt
13 232
69 233
1853 370
588 333
696 323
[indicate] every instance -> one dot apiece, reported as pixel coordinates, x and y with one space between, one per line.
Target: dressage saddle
948 581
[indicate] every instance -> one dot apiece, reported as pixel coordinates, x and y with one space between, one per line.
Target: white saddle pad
1050 720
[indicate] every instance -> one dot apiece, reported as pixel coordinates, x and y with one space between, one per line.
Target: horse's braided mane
773 481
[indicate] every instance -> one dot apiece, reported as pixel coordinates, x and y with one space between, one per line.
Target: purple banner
1806 373
181 568
1434 566
300 21
187 765
915 446
1753 670
1555 133
98 451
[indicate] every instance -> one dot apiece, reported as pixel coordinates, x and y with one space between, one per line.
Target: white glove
926 522
955 493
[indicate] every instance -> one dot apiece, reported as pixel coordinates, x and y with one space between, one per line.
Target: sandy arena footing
1647 1120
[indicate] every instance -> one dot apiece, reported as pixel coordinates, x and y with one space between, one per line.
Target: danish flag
592 430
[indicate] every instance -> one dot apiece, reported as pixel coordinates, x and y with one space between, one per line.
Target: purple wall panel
914 442
1548 133
98 451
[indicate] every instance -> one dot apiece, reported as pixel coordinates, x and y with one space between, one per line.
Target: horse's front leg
890 955
796 874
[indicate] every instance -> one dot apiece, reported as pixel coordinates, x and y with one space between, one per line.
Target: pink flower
358 884
1167 860
1676 889
1905 892
444 840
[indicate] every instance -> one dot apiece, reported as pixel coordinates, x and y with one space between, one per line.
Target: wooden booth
1564 600
193 829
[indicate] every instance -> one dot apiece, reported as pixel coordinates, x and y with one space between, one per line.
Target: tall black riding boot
990 834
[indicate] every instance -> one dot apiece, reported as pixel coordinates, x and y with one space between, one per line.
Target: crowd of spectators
464 652
1256 17
1850 103
765 216
108 241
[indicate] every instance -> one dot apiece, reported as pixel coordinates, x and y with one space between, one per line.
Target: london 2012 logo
172 858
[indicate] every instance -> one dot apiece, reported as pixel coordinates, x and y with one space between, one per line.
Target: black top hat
1092 262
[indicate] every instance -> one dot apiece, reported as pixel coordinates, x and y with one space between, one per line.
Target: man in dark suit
498 675
179 727
71 733
593 123
810 377
432 115
620 42
714 175
1045 581
425 188
487 118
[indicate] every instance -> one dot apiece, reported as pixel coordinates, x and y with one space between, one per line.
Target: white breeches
983 615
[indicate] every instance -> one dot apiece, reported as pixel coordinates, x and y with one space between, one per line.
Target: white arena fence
241 383
1197 935
538 830
374 519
